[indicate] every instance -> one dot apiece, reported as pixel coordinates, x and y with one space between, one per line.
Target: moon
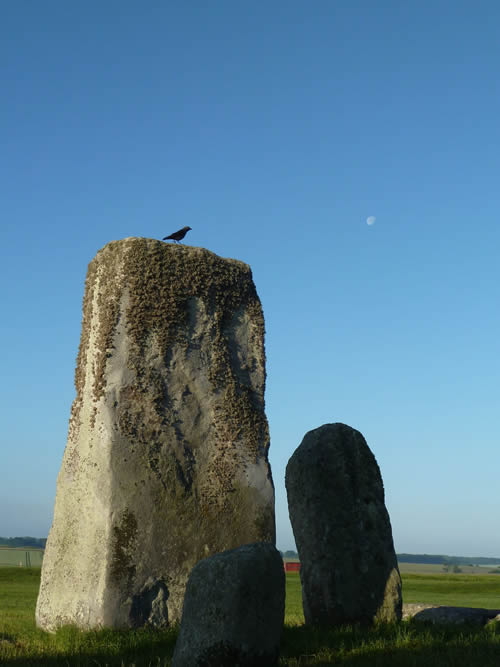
370 220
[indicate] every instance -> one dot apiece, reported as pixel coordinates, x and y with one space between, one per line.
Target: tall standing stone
349 570
166 460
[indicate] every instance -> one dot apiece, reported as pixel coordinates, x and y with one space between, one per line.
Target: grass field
20 556
427 568
406 644
460 590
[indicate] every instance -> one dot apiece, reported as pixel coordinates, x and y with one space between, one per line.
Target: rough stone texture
166 460
234 610
450 615
349 571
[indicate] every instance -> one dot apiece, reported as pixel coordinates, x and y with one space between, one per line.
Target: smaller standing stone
349 570
234 610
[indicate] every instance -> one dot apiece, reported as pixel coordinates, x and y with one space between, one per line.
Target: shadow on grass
408 644
103 648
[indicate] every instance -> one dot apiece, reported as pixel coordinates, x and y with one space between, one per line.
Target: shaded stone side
166 460
234 610
342 530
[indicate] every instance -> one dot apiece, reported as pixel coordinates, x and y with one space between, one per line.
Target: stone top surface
155 278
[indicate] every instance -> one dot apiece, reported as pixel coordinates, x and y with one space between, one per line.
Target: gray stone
234 610
166 459
349 571
443 615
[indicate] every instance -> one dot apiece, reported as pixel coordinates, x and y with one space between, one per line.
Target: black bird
177 236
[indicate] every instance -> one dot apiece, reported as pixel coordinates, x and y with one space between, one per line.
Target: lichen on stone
123 545
168 440
161 280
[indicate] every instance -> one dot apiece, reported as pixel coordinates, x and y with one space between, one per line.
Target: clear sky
275 130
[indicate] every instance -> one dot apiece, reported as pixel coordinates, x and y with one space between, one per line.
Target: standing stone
166 460
234 610
349 571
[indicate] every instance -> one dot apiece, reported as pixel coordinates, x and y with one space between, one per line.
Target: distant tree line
432 559
34 542
446 560
450 562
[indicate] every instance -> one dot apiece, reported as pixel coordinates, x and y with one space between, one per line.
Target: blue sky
274 130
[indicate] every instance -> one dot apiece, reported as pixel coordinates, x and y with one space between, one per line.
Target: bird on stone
177 236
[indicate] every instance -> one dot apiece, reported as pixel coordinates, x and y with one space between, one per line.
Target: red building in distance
291 566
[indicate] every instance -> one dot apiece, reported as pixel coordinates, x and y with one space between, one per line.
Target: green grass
457 590
407 644
22 643
433 568
294 614
14 556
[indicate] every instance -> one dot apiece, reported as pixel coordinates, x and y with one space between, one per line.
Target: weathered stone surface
234 610
440 615
166 460
349 571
